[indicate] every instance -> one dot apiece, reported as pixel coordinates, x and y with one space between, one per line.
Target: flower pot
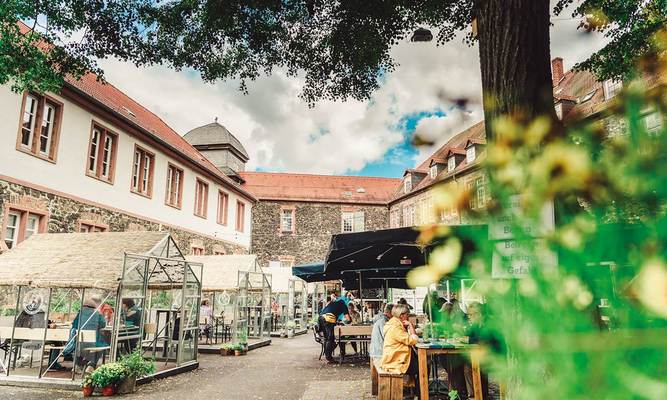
108 390
290 333
88 390
127 385
224 352
239 352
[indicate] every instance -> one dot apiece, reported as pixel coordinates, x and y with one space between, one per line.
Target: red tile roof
456 144
135 114
320 188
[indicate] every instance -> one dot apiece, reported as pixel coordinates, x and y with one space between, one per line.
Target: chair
318 338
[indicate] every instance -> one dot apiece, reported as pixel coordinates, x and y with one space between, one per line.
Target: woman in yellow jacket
399 337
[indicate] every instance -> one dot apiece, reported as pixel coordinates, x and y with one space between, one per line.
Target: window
287 220
142 172
86 227
407 184
240 216
478 193
102 154
12 229
470 154
20 225
612 88
286 262
223 205
201 198
433 171
451 164
559 109
174 186
40 126
653 122
219 252
409 215
353 221
197 251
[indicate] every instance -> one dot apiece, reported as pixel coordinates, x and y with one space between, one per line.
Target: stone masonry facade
63 214
313 227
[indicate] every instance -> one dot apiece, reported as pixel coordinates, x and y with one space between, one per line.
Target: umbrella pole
361 298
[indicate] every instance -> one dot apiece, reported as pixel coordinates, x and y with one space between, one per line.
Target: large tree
342 48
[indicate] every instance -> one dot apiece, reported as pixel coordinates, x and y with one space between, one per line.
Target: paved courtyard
288 369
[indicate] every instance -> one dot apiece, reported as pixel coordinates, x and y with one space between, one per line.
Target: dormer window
433 171
407 184
470 154
451 164
612 88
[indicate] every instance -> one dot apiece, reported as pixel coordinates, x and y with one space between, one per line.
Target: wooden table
426 349
352 333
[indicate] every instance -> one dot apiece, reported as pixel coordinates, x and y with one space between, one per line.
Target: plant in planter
290 328
87 386
227 349
108 376
136 367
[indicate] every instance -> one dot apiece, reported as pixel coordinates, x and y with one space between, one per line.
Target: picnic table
353 333
443 347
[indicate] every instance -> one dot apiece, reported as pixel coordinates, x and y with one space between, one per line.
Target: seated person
399 337
327 321
132 316
206 318
88 319
377 334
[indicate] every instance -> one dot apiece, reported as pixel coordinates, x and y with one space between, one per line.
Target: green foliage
109 374
629 25
453 395
136 365
341 49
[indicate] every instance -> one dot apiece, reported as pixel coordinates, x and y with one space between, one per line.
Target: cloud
281 133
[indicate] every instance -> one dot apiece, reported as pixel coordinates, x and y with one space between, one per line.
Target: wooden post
423 373
476 374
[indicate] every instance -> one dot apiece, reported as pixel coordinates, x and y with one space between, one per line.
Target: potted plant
108 376
239 350
136 366
87 386
227 349
290 328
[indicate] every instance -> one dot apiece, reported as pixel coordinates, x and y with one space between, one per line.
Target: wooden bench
389 385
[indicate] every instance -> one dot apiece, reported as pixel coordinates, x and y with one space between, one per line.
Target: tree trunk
515 59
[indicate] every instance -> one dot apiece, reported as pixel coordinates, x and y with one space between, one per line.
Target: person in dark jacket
327 321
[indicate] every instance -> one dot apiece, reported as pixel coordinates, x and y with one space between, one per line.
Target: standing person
327 321
399 337
377 333
206 319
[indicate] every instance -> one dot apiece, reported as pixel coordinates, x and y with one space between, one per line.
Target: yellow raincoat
396 352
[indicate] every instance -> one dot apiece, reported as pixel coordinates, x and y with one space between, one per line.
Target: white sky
281 133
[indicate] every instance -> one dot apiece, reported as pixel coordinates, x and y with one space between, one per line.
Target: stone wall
314 224
64 214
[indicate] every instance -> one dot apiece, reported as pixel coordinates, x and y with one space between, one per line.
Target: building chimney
556 70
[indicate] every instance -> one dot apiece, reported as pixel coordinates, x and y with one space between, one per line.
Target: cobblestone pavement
288 369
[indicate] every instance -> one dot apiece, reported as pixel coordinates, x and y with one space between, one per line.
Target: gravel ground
287 369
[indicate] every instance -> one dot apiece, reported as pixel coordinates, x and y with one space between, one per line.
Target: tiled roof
577 86
135 114
320 188
475 133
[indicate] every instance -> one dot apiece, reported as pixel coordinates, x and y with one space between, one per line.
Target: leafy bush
136 365
109 374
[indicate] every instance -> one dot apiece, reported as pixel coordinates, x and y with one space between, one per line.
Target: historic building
91 159
297 213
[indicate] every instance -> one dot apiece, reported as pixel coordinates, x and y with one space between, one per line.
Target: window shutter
359 221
